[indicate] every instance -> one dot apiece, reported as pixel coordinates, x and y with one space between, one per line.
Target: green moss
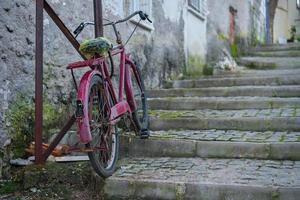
9 187
180 191
260 66
234 50
207 70
282 138
168 84
274 93
222 37
275 195
166 115
271 104
195 67
20 122
278 81
294 112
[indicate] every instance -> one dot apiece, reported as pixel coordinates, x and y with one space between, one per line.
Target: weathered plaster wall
286 16
294 15
193 25
195 37
281 25
258 22
218 25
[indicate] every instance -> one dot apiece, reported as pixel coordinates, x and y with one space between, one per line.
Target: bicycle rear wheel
140 115
105 140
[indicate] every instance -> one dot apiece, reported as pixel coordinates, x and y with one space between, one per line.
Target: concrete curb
118 188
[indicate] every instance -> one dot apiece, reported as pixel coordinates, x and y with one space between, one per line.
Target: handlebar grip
149 20
79 29
144 16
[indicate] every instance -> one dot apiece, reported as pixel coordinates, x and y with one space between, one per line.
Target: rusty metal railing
40 155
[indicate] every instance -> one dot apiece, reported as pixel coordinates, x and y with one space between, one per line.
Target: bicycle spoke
100 127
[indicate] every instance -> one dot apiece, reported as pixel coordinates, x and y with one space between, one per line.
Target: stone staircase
273 57
222 137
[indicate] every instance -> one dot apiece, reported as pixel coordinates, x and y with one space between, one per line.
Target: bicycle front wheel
140 115
105 141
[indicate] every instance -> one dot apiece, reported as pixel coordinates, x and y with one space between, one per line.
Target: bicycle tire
140 115
101 164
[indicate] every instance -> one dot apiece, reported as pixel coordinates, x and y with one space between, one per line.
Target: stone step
221 103
286 47
264 91
234 81
242 72
247 120
270 62
196 178
214 144
292 53
246 72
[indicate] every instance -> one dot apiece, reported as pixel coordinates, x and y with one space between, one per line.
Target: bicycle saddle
98 45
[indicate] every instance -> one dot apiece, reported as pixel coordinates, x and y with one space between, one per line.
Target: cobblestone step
196 178
291 53
248 120
264 91
234 81
215 144
270 62
222 103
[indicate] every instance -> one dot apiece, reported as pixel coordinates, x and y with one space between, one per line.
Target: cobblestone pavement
229 135
214 171
208 113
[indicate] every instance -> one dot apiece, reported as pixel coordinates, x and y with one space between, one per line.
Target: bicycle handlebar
143 16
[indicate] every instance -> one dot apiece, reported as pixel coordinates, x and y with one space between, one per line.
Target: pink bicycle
98 110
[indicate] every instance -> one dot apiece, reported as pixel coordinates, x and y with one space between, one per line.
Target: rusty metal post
39 82
40 156
98 18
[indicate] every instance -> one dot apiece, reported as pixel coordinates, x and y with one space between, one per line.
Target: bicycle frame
99 67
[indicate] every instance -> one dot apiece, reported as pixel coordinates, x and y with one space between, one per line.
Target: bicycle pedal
144 134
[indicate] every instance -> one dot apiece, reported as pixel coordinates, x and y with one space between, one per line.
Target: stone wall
159 52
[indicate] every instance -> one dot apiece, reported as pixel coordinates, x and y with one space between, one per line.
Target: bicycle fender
83 97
